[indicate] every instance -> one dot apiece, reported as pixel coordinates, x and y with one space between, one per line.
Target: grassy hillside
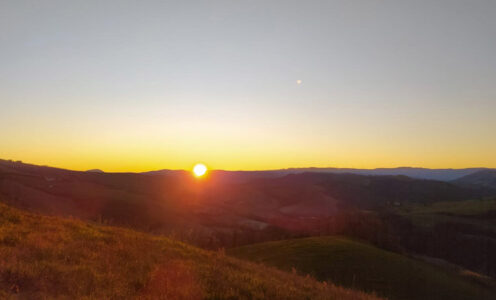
361 266
48 257
480 213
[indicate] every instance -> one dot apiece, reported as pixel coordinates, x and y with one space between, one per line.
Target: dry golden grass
52 258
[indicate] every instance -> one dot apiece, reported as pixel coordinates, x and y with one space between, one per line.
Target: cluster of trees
461 243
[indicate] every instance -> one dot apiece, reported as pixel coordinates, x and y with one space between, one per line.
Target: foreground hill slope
45 257
354 264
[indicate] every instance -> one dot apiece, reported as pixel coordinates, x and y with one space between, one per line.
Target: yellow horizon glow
140 163
141 147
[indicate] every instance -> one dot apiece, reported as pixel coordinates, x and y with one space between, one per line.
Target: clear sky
142 85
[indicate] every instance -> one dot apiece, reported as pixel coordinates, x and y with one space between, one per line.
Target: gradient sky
143 85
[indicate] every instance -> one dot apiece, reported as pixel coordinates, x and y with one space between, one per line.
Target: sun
199 170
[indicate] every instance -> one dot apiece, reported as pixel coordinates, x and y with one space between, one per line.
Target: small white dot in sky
298 82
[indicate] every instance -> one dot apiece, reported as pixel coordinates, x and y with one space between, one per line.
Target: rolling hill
361 266
482 179
219 210
367 192
50 257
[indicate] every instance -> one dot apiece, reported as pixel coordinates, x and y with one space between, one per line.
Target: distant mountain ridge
241 176
418 173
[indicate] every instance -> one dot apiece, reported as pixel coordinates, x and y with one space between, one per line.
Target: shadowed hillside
218 210
48 257
361 266
462 232
482 179
89 194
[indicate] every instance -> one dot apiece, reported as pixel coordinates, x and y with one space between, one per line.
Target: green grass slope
479 213
45 257
361 266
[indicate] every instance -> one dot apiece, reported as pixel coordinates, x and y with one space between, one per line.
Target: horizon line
241 170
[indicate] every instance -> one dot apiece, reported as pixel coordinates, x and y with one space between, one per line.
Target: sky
245 85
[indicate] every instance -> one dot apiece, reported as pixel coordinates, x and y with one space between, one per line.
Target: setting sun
199 170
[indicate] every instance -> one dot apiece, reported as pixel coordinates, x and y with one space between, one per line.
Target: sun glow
199 170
